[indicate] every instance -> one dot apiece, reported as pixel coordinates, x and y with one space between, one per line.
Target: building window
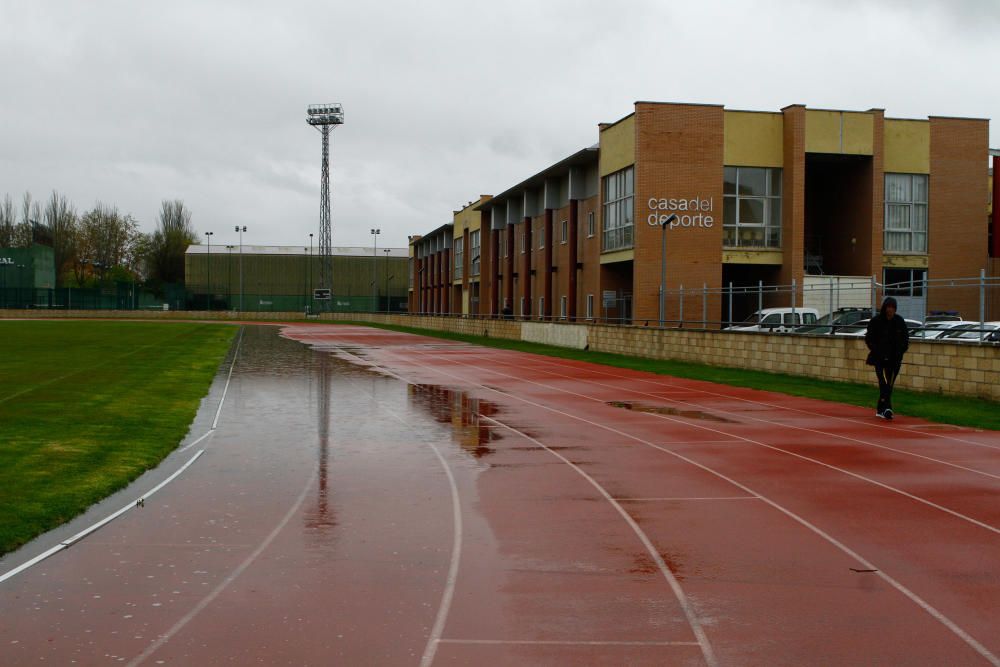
591 225
562 307
904 282
565 231
505 238
619 209
590 306
409 273
459 255
541 307
751 207
524 313
474 252
541 237
524 241
905 213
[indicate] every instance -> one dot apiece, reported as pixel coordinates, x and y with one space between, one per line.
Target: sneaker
880 415
888 413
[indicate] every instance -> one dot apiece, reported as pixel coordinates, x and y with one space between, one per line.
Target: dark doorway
838 214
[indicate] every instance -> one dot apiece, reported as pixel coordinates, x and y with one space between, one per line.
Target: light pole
310 263
664 223
229 277
241 230
375 233
208 297
386 251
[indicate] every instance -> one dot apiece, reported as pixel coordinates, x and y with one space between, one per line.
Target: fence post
704 305
793 302
682 306
729 321
831 303
760 297
874 295
982 304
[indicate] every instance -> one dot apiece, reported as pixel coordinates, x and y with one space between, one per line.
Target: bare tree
8 222
170 241
60 219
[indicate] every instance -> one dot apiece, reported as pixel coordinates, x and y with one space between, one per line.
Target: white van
777 320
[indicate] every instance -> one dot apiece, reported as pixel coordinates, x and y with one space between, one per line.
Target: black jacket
887 339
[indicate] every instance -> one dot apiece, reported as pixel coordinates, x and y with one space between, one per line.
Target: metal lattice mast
325 228
324 117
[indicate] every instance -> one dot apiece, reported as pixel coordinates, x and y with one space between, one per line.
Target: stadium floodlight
324 117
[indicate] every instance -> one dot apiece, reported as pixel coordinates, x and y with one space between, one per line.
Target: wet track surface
379 498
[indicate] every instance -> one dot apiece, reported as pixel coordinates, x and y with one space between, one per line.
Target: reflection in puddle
320 519
464 414
637 406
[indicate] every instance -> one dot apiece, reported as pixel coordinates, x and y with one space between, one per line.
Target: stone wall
957 369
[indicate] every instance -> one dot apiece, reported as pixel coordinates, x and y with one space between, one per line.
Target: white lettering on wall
689 212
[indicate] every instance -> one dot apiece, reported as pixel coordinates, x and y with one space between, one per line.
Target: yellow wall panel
822 131
908 146
618 146
859 133
839 132
753 139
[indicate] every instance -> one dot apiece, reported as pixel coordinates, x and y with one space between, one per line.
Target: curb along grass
87 407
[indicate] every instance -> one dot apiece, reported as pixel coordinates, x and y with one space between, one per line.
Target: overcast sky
131 102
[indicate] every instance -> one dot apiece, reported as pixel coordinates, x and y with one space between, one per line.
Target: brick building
758 197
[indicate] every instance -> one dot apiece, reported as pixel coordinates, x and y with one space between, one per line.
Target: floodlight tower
324 117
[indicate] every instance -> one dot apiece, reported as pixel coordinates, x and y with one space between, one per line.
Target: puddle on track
638 406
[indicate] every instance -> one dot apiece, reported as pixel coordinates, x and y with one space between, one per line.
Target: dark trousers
886 375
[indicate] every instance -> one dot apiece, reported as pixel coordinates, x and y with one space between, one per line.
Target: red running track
476 505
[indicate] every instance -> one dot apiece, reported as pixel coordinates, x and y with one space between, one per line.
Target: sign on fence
321 294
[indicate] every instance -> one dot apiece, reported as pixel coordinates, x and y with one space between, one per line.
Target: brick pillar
446 280
508 285
494 272
793 212
435 279
995 249
547 264
526 266
573 259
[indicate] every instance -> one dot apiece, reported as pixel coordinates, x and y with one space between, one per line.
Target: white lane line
852 420
111 517
236 353
208 599
434 639
65 544
556 642
744 415
874 482
448 594
668 575
648 500
864 563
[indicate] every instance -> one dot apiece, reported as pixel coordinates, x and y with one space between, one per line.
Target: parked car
777 320
861 326
935 329
973 331
944 316
833 322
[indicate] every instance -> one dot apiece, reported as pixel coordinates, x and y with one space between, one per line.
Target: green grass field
959 410
86 407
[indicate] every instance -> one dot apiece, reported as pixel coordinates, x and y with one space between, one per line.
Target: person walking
887 339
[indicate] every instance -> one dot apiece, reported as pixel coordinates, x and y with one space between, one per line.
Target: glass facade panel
751 207
619 210
906 221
